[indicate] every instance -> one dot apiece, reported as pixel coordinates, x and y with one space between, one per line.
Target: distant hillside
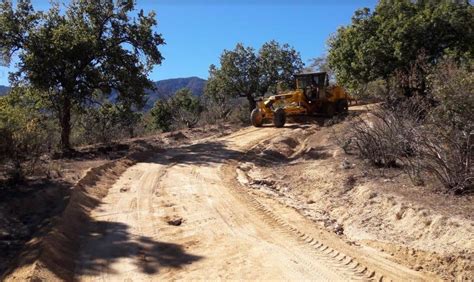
164 88
167 87
4 90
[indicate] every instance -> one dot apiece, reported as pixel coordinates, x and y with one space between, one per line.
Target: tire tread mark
335 258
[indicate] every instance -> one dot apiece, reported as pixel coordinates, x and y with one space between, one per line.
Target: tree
321 64
387 43
277 64
186 108
181 109
107 122
246 74
161 114
80 54
218 103
238 74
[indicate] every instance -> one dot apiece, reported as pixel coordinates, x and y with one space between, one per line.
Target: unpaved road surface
183 215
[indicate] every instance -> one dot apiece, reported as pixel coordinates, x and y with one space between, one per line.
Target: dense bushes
106 123
179 111
23 133
183 110
425 135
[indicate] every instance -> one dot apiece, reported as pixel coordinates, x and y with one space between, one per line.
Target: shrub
182 110
448 147
425 135
185 109
161 114
385 136
23 135
105 124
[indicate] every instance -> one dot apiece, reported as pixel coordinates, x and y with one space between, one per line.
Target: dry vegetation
426 136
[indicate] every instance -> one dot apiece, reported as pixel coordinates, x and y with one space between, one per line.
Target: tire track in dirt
238 230
183 215
336 257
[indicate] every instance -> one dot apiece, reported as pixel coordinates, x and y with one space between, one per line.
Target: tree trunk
65 121
252 103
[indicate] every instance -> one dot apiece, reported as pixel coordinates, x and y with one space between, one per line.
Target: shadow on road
198 154
110 242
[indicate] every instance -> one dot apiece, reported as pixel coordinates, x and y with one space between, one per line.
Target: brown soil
31 210
260 203
422 227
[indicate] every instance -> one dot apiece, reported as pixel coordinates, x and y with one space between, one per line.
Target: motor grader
313 95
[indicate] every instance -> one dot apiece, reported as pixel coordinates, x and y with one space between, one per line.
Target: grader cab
313 95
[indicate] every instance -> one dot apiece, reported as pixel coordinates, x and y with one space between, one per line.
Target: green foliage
277 64
237 76
23 133
162 116
245 73
106 123
183 109
388 41
321 64
80 54
186 108
452 87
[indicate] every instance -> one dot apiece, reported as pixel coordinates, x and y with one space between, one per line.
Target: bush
186 109
183 110
448 148
105 124
240 114
216 109
385 137
425 135
23 134
448 154
161 114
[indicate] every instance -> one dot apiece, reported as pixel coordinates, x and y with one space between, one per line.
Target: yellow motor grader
313 95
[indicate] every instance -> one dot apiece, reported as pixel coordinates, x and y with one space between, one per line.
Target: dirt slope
219 237
377 209
187 213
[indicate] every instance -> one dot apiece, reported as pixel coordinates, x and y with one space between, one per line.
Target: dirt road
184 215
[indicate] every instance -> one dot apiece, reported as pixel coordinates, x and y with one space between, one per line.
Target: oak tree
246 73
389 42
80 52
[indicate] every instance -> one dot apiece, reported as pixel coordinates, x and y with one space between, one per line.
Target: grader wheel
329 110
342 106
256 118
279 117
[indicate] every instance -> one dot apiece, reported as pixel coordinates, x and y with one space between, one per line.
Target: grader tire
256 118
329 110
342 106
279 118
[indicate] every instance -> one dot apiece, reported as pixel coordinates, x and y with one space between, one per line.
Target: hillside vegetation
418 63
106 174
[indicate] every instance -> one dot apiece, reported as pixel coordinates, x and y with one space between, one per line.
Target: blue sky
197 31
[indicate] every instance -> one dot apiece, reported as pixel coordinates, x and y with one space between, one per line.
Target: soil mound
175 136
52 257
280 148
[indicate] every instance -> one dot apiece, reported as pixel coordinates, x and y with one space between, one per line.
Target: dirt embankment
374 208
30 211
218 206
52 257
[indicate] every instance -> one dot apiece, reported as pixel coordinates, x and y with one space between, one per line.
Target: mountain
167 87
4 90
164 88
170 86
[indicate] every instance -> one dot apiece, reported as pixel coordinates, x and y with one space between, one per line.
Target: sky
197 31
